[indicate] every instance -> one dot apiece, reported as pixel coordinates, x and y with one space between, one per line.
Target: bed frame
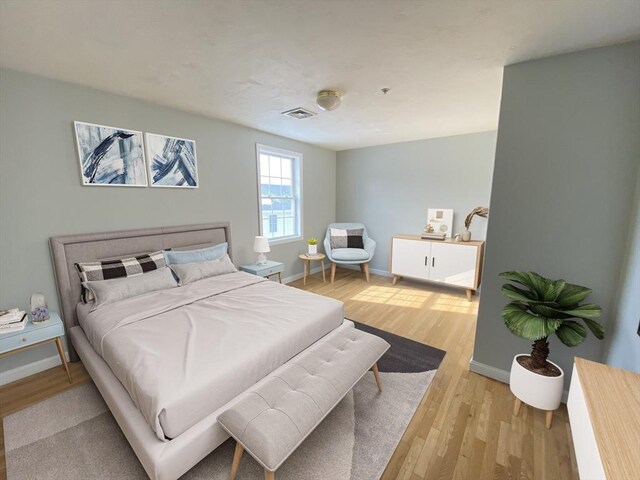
166 460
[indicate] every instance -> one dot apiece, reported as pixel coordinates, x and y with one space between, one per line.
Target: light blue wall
390 187
41 194
567 160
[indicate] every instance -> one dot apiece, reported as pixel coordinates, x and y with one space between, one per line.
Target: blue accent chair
350 256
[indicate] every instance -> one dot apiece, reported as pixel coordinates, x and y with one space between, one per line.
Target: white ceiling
247 61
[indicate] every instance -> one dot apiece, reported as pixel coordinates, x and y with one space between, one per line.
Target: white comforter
184 352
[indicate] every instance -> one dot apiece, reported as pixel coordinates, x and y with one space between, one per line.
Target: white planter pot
536 390
313 249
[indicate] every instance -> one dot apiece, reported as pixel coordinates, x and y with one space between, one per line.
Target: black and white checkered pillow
341 238
122 267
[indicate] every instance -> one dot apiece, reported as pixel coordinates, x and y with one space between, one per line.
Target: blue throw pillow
178 257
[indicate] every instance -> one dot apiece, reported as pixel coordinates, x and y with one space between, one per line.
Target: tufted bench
271 421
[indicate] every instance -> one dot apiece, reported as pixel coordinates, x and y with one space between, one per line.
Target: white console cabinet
453 263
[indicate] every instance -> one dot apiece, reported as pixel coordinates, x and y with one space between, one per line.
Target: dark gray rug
355 442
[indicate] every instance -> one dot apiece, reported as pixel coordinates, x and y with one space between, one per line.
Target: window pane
287 208
265 228
266 207
273 226
286 168
289 226
287 188
276 186
274 167
264 186
264 164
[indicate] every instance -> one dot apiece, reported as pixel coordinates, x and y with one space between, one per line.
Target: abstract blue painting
110 156
172 161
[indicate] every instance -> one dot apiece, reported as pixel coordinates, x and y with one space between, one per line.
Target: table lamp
261 246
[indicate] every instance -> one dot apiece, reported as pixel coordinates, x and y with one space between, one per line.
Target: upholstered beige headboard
68 250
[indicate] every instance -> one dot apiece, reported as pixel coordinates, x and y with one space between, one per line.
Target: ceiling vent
299 113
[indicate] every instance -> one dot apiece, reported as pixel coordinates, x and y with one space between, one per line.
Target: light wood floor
464 427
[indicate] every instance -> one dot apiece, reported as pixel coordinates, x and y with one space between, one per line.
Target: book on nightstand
12 320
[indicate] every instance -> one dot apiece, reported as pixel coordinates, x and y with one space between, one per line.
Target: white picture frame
177 156
108 161
441 220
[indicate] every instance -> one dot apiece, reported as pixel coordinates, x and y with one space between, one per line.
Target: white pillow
110 291
191 272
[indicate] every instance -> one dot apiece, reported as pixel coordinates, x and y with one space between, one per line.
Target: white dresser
604 412
444 261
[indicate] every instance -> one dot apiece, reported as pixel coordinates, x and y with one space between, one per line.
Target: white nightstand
271 268
34 335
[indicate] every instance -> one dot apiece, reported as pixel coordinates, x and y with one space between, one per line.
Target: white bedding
184 352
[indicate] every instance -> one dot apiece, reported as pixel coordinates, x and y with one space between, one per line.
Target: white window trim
262 148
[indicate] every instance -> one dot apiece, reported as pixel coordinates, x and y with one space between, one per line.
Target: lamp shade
261 245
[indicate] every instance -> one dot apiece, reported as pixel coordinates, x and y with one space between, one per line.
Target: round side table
307 264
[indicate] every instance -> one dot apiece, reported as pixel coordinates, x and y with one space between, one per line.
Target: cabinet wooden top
613 401
475 243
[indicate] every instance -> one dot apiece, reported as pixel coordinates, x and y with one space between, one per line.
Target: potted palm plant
313 246
539 308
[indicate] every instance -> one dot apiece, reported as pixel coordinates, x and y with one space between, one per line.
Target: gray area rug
355 442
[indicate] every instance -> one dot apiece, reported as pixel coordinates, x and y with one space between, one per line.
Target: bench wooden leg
269 475
237 455
376 374
333 271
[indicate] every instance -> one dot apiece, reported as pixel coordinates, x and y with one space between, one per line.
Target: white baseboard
298 276
31 369
489 371
375 271
498 374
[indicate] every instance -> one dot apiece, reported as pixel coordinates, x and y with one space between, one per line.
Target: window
280 193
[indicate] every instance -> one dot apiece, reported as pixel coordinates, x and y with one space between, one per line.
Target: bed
168 363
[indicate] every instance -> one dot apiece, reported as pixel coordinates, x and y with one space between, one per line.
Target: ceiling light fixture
328 100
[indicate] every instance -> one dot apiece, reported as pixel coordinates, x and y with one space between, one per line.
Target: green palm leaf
571 333
518 294
587 311
572 295
526 325
595 327
546 310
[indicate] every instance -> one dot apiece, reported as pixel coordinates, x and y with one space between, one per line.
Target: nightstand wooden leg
469 293
269 475
324 279
279 277
63 358
304 280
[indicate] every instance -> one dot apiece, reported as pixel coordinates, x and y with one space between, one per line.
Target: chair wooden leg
376 374
333 271
469 294
549 418
269 475
516 406
366 271
237 456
